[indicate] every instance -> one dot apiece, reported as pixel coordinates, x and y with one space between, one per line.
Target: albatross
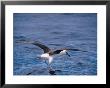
49 54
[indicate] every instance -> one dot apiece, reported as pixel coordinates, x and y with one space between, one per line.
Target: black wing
37 43
45 48
77 50
57 51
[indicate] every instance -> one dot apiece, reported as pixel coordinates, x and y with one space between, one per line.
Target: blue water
56 30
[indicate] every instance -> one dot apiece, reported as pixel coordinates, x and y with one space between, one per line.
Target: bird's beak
67 54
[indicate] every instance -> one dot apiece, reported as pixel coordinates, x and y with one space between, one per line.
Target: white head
63 52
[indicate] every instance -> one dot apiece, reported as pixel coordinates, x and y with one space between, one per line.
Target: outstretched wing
76 50
59 50
39 44
45 48
56 51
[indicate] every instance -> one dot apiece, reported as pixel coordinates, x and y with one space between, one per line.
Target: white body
50 58
46 56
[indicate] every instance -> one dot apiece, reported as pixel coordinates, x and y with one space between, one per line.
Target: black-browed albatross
49 53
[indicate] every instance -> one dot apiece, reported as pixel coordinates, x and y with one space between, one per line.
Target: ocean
56 30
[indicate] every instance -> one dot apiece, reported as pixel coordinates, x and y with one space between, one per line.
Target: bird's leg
49 65
67 54
50 68
46 62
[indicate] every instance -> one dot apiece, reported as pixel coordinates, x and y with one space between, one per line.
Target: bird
49 54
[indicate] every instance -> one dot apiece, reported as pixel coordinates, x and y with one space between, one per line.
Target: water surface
56 30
